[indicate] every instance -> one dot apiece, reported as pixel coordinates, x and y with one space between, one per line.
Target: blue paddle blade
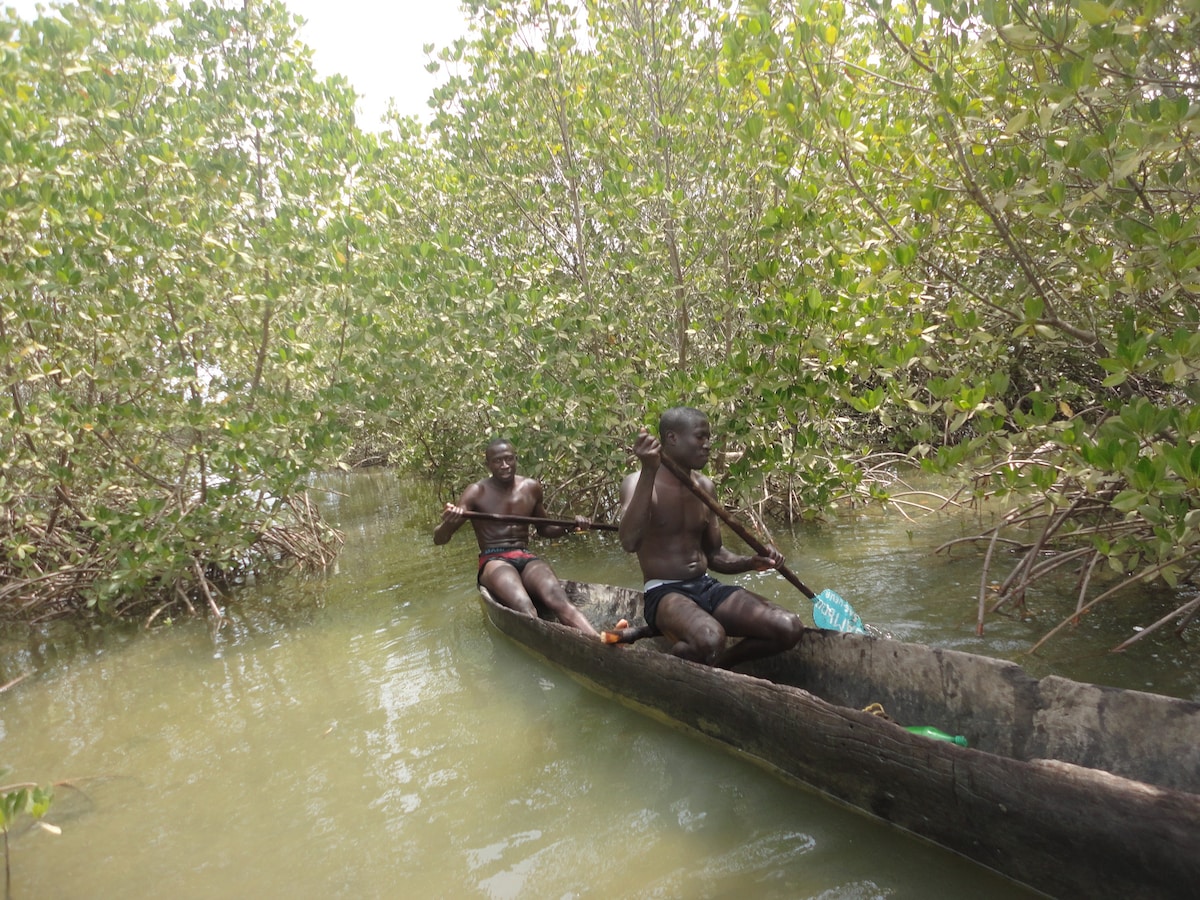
833 613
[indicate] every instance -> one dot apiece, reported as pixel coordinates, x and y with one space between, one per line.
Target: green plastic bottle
937 734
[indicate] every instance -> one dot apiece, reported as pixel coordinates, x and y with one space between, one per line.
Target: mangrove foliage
868 236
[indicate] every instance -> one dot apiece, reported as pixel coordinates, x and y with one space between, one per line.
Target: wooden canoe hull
1072 789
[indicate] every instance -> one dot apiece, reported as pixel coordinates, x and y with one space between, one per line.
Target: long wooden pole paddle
534 520
830 611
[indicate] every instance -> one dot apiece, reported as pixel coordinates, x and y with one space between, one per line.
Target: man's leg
504 583
765 628
695 635
543 585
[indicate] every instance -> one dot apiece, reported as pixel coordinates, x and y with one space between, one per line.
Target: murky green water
367 735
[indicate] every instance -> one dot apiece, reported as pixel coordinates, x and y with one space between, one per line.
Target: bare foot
614 636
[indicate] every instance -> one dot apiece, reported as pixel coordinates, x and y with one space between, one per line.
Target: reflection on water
366 735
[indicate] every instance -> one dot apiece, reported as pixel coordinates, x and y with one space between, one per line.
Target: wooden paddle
830 611
534 520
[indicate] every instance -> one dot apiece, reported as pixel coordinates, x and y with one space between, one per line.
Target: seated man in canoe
514 576
677 539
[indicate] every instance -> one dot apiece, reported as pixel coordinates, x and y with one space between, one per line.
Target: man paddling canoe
677 539
514 576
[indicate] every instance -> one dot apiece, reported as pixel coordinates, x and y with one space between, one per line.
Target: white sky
376 44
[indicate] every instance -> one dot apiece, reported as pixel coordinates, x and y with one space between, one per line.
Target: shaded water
366 735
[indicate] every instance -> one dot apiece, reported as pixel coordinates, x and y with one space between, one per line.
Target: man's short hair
497 442
677 418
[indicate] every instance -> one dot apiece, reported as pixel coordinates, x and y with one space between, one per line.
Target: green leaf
1095 13
1128 500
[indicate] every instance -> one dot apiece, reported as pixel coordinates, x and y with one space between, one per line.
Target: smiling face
501 461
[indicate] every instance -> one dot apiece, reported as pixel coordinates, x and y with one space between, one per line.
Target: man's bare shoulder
629 482
474 494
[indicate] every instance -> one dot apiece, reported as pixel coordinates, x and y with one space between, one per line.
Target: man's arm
637 493
729 563
721 558
452 515
537 492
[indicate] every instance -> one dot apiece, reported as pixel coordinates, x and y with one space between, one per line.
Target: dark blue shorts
705 591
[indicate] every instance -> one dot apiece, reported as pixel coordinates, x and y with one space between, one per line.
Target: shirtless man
678 539
513 575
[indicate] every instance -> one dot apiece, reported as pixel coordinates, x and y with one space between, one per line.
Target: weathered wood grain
1076 790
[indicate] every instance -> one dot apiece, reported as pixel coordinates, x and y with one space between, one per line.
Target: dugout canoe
1073 789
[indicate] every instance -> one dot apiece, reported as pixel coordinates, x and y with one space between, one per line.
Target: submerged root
1075 526
69 565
